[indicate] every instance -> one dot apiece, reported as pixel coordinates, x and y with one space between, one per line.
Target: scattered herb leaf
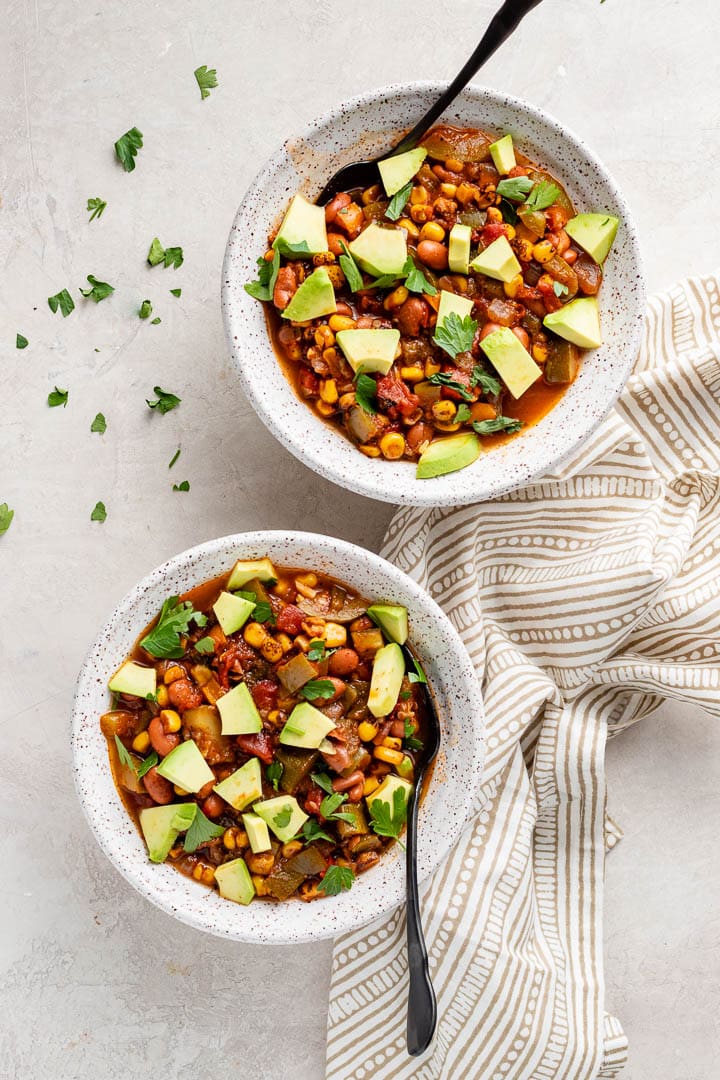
145 310
99 512
284 247
273 773
205 646
124 754
184 485
336 880
6 516
174 458
415 280
96 206
154 322
455 335
172 256
316 649
58 397
262 612
398 202
176 292
366 392
163 641
487 383
323 781
515 187
317 688
99 290
62 300
313 830
99 424
463 414
127 147
156 254
206 80
542 195
387 822
200 831
165 400
500 423
418 675
282 818
508 212
146 764
350 269
21 342
262 289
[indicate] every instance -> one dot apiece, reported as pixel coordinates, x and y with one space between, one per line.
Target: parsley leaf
6 516
62 300
21 342
127 147
99 512
317 688
508 212
366 392
386 821
155 322
282 818
441 378
184 485
542 195
58 397
559 289
350 269
384 282
146 764
97 206
414 744
284 247
145 310
172 256
462 415
415 280
331 802
123 754
323 781
262 289
316 649
163 641
487 383
455 335
206 80
201 830
244 594
515 187
165 400
262 612
336 880
312 830
273 773
398 202
176 292
156 254
174 458
99 424
418 675
98 290
500 423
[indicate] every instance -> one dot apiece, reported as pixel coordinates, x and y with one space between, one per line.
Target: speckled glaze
448 801
361 128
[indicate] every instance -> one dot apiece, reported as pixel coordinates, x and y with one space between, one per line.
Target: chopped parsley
487 383
500 423
542 195
58 397
463 414
441 378
21 342
559 289
366 392
323 781
286 248
172 256
176 292
165 401
316 649
174 458
123 754
418 675
200 831
155 321
386 821
317 688
99 424
415 280
127 147
145 310
515 187
273 773
206 79
96 206
508 212
336 880
99 290
398 202
99 512
282 818
184 485
205 646
330 804
262 612
262 289
146 764
6 516
62 300
350 269
313 830
455 335
163 641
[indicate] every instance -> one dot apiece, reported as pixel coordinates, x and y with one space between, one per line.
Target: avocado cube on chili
283 815
315 297
245 570
132 678
186 767
303 224
234 881
232 611
396 172
161 826
511 360
386 680
595 233
578 322
386 792
242 787
503 154
257 833
369 350
306 726
392 620
448 455
497 261
450 302
379 250
459 248
238 712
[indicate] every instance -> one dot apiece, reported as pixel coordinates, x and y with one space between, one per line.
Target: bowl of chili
245 733
455 330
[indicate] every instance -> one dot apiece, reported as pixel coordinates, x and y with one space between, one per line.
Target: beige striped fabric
593 596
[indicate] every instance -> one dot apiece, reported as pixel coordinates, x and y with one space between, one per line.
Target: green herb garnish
441 378
262 612
127 147
62 300
415 280
58 397
559 289
21 342
156 321
515 187
184 485
201 830
165 401
273 773
414 744
317 688
336 880
96 206
145 310
206 80
350 269
366 392
386 821
316 649
282 818
176 292
508 212
123 754
313 830
205 646
146 764
98 290
330 804
398 202
455 335
99 424
542 195
286 248
500 423
172 256
163 641
462 415
487 383
6 516
99 512
418 675
323 781
262 289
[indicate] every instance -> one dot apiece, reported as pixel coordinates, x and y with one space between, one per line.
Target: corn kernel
421 214
141 742
370 785
523 250
511 287
163 698
328 391
206 874
306 579
201 674
325 408
334 635
540 352
341 322
396 298
419 195
173 673
324 337
392 445
466 193
254 634
441 425
229 839
449 190
330 354
285 642
543 251
453 165
444 411
433 230
271 650
412 374
366 731
510 232
274 716
170 720
392 742
180 791
369 450
282 587
390 757
410 227
494 216
260 884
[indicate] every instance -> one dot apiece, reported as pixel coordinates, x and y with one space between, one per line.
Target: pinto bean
433 254
158 788
335 243
184 695
522 336
343 662
356 792
418 434
285 287
397 729
161 740
206 791
344 783
213 806
489 328
412 316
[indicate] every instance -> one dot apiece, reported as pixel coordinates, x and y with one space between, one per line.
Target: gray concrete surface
95 982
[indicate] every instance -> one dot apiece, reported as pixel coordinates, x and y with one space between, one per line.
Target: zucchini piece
358 827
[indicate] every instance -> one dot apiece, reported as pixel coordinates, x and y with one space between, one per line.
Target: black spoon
364 173
422 1006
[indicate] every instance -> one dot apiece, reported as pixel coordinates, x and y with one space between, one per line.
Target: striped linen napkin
585 600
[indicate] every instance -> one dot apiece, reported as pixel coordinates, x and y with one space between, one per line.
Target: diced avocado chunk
380 250
257 832
459 248
283 815
392 619
243 786
245 570
315 297
303 223
386 792
369 350
387 676
497 261
578 322
503 154
306 726
448 455
234 881
132 678
186 767
238 712
595 233
451 302
232 611
161 826
511 360
395 172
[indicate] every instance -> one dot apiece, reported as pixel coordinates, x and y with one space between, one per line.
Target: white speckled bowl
449 798
361 128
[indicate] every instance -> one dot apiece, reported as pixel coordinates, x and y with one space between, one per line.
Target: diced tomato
492 231
556 217
392 392
290 620
264 694
259 744
313 799
457 376
308 382
518 170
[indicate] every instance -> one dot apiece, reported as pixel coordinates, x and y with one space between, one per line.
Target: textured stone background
95 982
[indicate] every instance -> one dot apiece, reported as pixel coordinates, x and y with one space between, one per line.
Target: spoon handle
501 27
422 1006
